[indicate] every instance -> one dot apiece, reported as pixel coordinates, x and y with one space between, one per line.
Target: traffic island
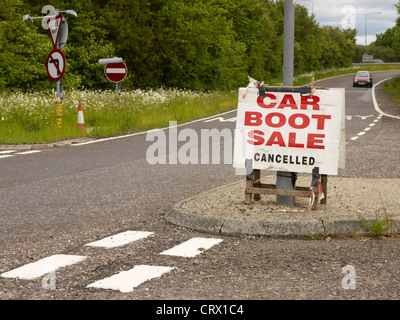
223 211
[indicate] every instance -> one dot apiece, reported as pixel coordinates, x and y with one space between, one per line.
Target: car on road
362 78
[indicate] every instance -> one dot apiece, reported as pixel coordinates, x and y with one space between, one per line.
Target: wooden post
317 196
257 189
324 182
257 177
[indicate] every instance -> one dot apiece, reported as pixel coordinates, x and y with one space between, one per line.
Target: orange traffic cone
80 125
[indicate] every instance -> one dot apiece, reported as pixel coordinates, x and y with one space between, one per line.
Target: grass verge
31 118
392 88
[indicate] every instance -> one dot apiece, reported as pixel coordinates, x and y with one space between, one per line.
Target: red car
362 78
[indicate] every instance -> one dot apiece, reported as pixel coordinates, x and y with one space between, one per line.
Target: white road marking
221 119
29 152
372 124
364 117
126 281
44 266
120 239
6 153
375 102
192 247
145 132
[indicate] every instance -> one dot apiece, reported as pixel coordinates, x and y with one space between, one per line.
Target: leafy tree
23 51
193 44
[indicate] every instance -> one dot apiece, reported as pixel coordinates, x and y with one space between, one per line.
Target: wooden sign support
256 188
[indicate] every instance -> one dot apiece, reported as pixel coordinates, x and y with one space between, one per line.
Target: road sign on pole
116 72
54 24
55 65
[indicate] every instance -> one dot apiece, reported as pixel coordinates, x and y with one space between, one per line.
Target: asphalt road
58 200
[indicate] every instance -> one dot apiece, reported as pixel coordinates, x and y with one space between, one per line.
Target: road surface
55 203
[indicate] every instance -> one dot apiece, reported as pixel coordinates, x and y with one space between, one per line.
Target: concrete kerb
210 224
43 146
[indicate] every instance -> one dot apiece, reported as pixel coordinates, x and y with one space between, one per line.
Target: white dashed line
120 239
372 124
29 152
126 281
44 266
12 153
192 247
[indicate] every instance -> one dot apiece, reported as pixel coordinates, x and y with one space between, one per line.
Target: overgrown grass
392 88
30 117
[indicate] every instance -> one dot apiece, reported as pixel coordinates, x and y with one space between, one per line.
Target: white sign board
290 132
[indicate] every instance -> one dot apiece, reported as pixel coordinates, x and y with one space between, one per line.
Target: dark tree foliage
192 44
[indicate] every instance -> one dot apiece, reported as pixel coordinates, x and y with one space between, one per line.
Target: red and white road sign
116 72
54 25
55 65
286 131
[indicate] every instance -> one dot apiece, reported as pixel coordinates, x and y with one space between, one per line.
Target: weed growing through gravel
380 227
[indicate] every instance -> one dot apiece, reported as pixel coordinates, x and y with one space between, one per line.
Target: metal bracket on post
302 90
118 89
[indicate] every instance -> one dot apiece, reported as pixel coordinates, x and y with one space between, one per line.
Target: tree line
387 44
191 44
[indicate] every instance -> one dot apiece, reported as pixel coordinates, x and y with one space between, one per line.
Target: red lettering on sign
292 141
252 118
320 120
260 101
276 138
304 124
269 116
305 101
313 139
255 134
288 102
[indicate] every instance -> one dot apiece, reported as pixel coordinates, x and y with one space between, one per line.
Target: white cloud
337 13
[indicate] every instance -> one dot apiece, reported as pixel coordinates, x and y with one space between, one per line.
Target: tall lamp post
365 20
284 180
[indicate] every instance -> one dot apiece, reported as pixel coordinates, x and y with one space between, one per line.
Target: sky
352 13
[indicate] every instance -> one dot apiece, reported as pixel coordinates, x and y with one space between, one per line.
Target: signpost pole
59 92
283 178
118 89
55 64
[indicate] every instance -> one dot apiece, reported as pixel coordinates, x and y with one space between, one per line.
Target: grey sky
342 13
